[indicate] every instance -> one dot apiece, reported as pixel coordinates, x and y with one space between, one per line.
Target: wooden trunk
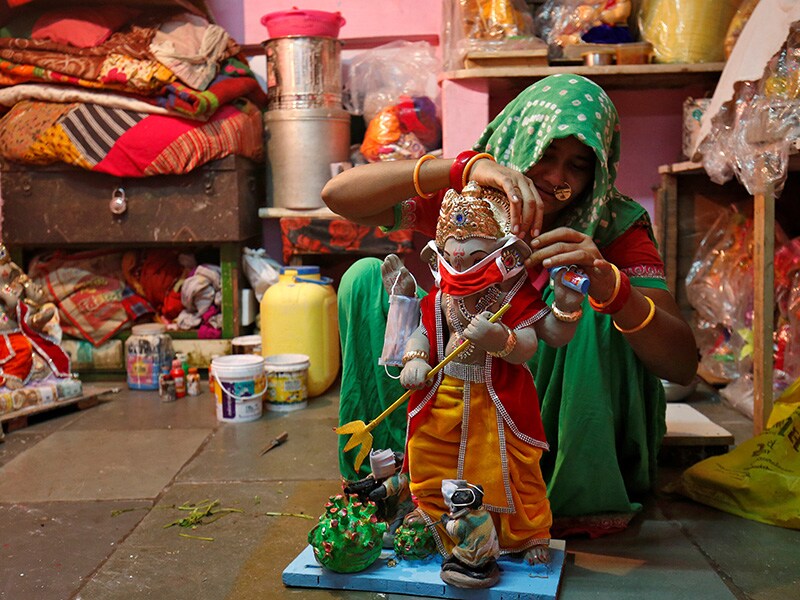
63 205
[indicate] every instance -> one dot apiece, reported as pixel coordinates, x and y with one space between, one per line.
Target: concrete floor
85 497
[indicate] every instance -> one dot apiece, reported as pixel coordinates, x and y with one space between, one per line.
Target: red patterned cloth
303 235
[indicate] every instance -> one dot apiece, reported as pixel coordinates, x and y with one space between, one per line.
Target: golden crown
481 212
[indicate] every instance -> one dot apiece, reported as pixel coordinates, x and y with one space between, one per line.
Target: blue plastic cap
301 270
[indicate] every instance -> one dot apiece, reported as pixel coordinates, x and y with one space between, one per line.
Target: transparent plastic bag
377 78
394 87
486 26
719 287
563 23
261 271
751 135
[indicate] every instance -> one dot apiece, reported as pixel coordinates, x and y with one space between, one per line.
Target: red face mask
493 269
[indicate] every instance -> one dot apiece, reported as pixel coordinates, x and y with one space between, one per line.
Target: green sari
603 412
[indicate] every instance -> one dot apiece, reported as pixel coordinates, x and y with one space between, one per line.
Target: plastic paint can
240 383
246 344
287 381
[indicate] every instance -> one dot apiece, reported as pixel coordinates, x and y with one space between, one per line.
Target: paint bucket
287 381
239 385
246 344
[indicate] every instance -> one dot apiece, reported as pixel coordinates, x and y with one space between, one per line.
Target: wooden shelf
609 77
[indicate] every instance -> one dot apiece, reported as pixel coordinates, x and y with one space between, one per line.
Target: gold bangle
601 305
468 166
566 317
511 343
644 323
417 167
412 354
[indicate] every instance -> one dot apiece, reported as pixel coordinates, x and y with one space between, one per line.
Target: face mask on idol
501 265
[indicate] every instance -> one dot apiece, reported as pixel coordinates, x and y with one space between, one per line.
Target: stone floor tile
48 549
98 465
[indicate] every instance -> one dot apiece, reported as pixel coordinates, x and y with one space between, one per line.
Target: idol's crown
477 212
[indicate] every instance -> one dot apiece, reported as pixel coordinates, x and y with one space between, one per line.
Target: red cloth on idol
512 383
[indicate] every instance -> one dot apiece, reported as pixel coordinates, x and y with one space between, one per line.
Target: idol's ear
514 244
429 254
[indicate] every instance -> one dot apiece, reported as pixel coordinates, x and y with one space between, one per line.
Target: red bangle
457 169
619 300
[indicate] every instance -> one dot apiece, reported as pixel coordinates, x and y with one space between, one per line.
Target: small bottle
193 382
162 379
212 385
184 358
179 378
170 393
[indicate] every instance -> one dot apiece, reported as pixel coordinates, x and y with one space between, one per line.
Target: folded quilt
127 143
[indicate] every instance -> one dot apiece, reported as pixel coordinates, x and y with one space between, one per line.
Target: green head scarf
560 106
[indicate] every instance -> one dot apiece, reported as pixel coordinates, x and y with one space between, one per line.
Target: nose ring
562 192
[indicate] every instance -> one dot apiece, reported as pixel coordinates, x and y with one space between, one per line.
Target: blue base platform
518 580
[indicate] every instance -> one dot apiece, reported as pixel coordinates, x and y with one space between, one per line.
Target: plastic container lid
301 270
148 329
297 22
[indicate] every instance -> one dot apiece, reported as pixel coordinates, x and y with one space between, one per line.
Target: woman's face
461 255
566 160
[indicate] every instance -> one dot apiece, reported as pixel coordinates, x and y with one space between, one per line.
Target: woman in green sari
554 150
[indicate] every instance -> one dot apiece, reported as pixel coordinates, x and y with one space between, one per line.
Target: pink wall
650 124
364 18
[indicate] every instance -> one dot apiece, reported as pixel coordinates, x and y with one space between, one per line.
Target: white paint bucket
246 344
240 383
287 381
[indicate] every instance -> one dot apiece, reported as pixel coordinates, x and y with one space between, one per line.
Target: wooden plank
686 426
90 397
506 58
669 200
763 306
608 76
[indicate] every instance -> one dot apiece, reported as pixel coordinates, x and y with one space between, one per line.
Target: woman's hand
565 247
527 209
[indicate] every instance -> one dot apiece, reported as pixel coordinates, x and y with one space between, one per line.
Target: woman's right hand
527 209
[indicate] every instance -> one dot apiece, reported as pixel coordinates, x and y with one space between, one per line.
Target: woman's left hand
566 247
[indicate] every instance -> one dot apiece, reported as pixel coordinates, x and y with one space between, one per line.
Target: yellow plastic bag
758 480
785 404
686 31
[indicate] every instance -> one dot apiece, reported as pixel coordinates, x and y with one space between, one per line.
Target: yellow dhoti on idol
464 436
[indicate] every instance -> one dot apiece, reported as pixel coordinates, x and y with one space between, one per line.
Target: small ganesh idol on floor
478 418
473 563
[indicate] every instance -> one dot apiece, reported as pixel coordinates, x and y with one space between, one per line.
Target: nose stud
562 192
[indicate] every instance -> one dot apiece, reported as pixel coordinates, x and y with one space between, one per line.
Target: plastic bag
564 23
486 26
394 87
757 480
261 271
686 31
377 78
751 135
